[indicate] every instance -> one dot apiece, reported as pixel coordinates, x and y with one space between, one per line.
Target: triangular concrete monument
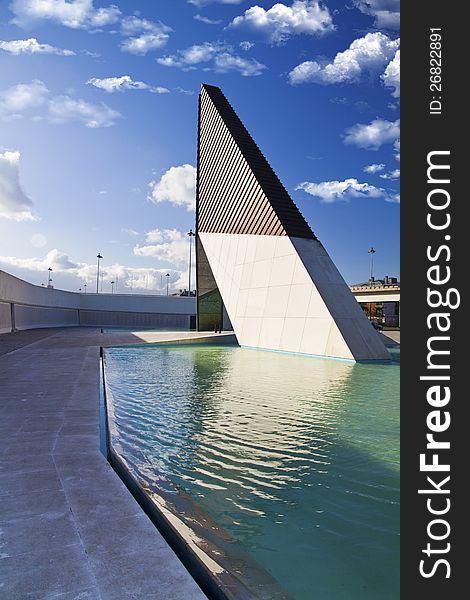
257 260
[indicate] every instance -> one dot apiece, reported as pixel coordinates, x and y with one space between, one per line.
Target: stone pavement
391 337
69 528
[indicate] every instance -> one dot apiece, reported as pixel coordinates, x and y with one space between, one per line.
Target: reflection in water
296 457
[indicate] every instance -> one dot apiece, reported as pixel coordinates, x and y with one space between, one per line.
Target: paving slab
69 528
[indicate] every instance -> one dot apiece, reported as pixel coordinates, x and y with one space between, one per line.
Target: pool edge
225 585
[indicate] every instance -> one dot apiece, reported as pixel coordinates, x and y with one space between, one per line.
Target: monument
259 266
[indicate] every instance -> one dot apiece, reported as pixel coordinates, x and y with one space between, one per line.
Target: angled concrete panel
279 287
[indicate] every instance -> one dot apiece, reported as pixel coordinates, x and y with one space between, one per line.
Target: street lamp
99 257
167 275
84 285
49 278
112 287
191 235
371 251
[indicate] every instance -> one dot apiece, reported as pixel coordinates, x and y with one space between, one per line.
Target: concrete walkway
391 336
69 528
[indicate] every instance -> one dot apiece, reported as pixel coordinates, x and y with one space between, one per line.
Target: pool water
297 457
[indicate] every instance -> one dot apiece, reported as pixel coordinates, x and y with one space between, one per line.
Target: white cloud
391 75
225 62
206 20
200 3
74 274
14 203
22 97
76 14
373 135
395 174
144 43
182 282
91 54
177 185
396 147
57 260
168 245
32 46
38 240
125 82
217 57
332 191
367 54
190 56
246 45
63 109
143 35
280 22
154 235
374 168
184 91
385 12
59 109
129 231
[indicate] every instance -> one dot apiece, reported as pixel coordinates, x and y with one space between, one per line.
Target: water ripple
297 457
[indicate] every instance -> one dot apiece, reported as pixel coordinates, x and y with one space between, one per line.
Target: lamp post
191 235
49 278
167 276
84 285
99 257
371 251
112 287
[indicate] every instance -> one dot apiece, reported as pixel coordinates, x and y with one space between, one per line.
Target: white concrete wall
36 306
118 318
286 294
383 297
175 305
5 317
34 317
13 289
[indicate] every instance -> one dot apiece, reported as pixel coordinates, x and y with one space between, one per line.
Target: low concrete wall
27 306
31 317
5 317
104 318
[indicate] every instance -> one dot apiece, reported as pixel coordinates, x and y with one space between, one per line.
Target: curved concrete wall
33 306
5 317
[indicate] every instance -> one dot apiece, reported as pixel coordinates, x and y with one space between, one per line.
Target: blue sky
98 109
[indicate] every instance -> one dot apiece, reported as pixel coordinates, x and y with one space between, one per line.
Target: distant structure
259 266
380 300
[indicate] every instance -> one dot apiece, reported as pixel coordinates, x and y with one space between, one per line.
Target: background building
380 300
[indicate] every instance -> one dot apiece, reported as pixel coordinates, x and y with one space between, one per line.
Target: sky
98 123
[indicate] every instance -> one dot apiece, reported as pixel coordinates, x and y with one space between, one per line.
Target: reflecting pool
297 457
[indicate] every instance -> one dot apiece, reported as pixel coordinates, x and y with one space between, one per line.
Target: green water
297 457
